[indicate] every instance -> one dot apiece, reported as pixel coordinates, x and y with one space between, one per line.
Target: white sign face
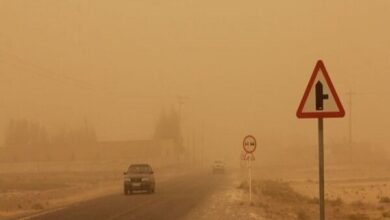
320 99
328 102
249 144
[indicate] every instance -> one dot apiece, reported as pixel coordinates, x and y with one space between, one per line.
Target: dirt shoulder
26 193
279 200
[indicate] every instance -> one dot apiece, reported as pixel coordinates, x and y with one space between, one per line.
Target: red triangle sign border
338 114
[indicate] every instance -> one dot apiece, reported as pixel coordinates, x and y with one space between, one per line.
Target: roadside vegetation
36 191
276 199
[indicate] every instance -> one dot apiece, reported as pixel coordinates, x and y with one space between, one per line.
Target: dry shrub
280 190
37 206
314 201
336 202
310 181
358 204
263 205
302 215
386 214
243 185
381 208
358 217
385 199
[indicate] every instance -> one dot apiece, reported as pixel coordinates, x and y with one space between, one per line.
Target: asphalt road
173 199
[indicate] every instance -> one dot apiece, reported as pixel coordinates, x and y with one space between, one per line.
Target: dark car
139 177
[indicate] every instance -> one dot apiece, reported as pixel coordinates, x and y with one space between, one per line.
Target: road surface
174 199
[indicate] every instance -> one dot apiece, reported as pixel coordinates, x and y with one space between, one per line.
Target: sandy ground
351 194
28 202
348 190
294 196
277 203
227 203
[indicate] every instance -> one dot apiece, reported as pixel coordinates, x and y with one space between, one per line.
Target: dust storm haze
219 69
242 65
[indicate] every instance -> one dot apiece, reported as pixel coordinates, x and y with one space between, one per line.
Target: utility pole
194 146
350 98
181 101
350 134
202 144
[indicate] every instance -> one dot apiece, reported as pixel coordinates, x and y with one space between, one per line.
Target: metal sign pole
250 180
321 167
249 146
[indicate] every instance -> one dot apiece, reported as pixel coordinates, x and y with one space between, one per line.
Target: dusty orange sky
243 65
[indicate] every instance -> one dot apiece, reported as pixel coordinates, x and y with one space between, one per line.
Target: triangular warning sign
320 99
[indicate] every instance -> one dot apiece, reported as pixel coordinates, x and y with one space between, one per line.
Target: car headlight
145 179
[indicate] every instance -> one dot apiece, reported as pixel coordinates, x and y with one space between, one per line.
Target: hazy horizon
241 66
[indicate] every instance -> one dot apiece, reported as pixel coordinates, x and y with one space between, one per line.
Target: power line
43 72
48 74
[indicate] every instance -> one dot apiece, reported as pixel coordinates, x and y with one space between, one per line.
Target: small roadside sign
249 144
320 99
250 157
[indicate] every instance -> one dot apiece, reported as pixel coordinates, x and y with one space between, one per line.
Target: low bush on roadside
313 200
243 185
48 181
384 199
276 189
279 190
386 214
263 205
37 206
335 202
358 217
358 204
31 184
310 181
301 215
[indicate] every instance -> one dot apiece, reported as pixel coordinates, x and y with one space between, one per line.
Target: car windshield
139 169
